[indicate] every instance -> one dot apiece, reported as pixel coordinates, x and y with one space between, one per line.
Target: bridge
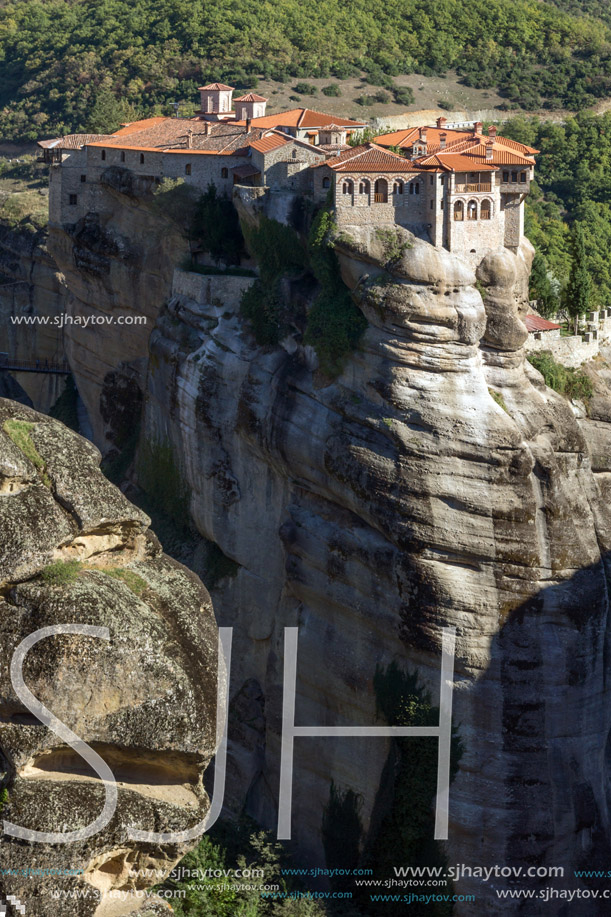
13 364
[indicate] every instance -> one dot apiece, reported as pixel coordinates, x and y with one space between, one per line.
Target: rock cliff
75 551
436 482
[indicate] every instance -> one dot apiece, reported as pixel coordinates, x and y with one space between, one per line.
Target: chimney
248 122
423 134
442 140
489 149
477 127
190 138
207 128
441 122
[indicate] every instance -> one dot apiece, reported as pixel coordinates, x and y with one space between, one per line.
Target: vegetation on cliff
68 66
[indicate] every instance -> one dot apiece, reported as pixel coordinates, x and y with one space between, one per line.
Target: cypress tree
579 289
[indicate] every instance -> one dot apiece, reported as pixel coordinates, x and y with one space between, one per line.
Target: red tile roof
370 158
271 142
71 141
411 135
250 97
454 162
535 323
215 87
303 118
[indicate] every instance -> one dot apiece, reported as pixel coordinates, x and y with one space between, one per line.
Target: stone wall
573 350
209 289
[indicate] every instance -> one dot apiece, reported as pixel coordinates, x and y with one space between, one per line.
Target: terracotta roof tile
215 87
250 97
535 323
71 141
369 158
272 142
304 118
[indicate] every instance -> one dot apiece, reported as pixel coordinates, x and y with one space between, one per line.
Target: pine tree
579 289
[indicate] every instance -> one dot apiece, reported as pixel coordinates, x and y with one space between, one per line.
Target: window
417 191
364 187
72 200
224 173
347 187
441 180
294 154
459 211
103 155
83 178
188 169
441 204
432 180
122 155
485 211
514 176
432 205
505 176
411 187
326 182
380 191
472 210
522 176
398 187
141 159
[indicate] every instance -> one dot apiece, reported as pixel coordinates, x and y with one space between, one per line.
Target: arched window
141 158
398 187
122 155
188 169
347 187
485 210
364 187
294 154
472 210
326 182
224 173
459 211
380 191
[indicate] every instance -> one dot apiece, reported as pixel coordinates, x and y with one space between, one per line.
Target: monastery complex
461 190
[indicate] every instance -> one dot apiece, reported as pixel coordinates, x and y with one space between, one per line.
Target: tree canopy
70 65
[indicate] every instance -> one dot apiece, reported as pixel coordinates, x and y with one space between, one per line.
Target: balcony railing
478 186
380 198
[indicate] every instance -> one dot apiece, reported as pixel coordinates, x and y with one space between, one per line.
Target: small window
122 155
458 211
83 178
141 159
411 188
514 176
432 205
522 176
364 187
326 182
472 210
505 176
347 187
441 204
224 173
398 187
417 188
432 179
72 200
441 179
103 154
294 154
188 169
485 211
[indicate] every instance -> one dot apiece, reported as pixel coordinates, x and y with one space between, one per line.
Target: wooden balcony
479 186
380 198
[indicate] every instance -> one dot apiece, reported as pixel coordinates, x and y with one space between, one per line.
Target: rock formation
437 482
75 551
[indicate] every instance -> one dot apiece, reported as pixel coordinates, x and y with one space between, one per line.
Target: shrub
403 95
365 100
61 572
445 105
131 579
332 90
305 89
216 225
382 96
562 379
19 432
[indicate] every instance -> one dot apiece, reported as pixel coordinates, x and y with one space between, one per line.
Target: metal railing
380 198
11 364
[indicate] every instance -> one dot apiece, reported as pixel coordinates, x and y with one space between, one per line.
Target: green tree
579 290
541 287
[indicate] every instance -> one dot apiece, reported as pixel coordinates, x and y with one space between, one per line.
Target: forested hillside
572 188
68 65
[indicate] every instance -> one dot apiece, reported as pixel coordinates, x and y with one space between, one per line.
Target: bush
305 89
445 105
365 100
217 227
61 572
332 90
562 379
19 431
403 95
382 97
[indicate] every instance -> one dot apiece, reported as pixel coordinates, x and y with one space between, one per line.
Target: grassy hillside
76 64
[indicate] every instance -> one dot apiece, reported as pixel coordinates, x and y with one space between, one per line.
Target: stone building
461 190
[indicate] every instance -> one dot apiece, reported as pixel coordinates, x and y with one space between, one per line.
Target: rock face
117 264
75 551
31 286
437 482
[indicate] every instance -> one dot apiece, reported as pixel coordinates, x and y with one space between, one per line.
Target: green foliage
61 572
341 830
216 225
562 379
69 66
229 847
406 834
579 289
540 286
64 408
332 90
131 579
3 797
305 89
499 399
335 324
159 474
395 245
403 95
19 431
